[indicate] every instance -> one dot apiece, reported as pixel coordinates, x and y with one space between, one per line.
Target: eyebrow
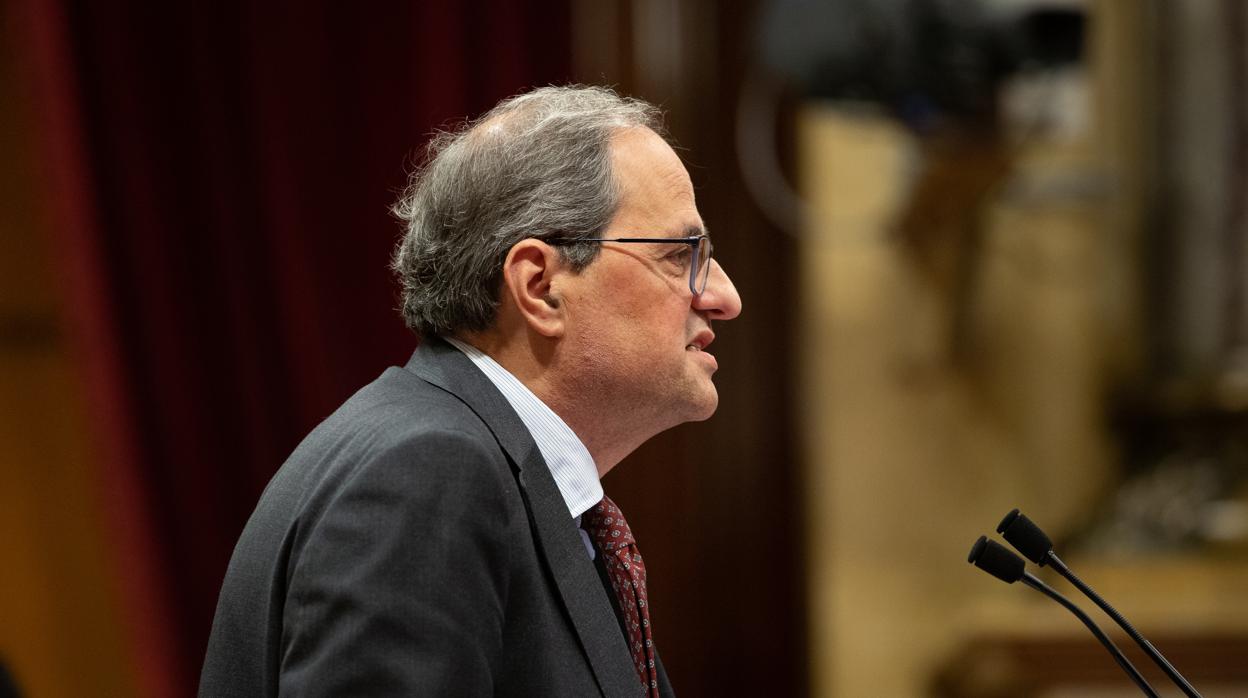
691 231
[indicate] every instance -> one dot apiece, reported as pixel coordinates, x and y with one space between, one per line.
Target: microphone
1028 539
995 559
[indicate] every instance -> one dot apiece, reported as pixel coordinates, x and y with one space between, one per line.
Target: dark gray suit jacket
415 543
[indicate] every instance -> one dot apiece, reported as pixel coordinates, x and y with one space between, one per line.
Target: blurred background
993 254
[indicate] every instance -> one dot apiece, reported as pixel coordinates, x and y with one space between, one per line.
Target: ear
529 275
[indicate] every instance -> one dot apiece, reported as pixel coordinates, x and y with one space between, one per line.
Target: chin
704 408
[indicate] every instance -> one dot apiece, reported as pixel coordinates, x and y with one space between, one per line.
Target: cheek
625 313
655 318
629 307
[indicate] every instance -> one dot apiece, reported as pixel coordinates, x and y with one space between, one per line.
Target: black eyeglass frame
696 285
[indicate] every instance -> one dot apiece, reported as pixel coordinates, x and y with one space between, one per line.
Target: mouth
701 341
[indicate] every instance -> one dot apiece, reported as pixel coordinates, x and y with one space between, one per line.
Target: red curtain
220 175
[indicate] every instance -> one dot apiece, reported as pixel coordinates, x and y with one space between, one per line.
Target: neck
608 431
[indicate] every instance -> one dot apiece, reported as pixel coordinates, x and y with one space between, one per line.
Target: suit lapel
558 540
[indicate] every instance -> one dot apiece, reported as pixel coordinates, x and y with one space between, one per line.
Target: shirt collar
569 461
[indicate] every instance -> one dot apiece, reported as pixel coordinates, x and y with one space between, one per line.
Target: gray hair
538 165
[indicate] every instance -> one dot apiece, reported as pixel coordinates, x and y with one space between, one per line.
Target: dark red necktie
614 540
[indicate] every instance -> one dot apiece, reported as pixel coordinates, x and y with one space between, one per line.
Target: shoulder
402 414
401 439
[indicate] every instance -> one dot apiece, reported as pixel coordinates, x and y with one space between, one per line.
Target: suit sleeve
399 586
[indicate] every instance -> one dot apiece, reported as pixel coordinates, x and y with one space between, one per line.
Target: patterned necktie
614 540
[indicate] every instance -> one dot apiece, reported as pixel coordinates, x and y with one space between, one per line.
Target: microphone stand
1032 581
1056 563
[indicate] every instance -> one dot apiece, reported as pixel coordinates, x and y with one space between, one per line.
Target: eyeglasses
699 265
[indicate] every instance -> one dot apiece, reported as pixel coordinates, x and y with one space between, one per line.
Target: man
444 532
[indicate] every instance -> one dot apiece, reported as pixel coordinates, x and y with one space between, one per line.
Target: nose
719 300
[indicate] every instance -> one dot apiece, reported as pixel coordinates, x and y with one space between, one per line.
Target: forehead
639 145
655 189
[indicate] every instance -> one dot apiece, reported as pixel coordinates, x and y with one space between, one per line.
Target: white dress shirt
569 461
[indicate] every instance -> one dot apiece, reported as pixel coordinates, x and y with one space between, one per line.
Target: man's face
638 334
